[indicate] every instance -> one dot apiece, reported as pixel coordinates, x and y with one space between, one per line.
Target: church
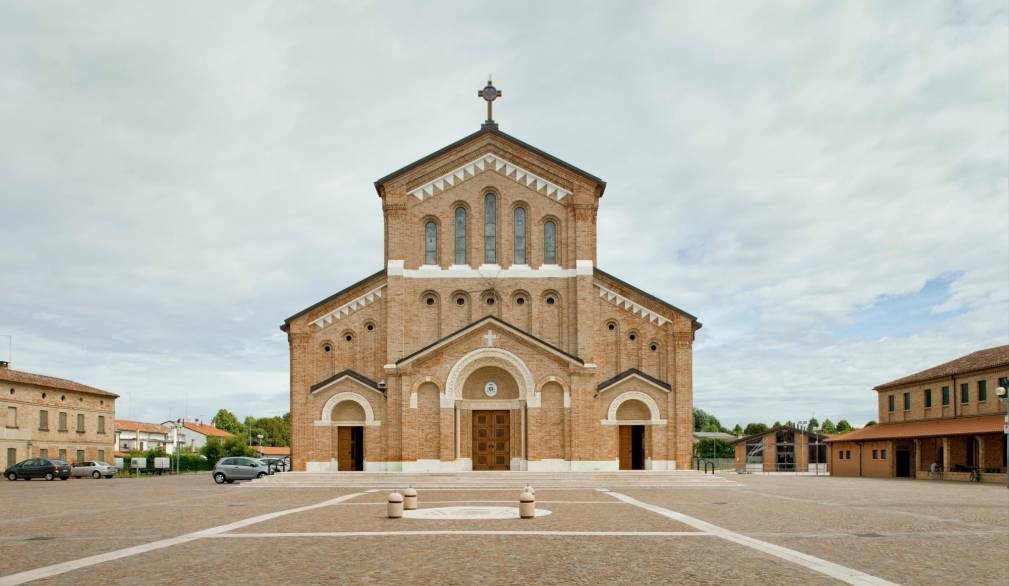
490 340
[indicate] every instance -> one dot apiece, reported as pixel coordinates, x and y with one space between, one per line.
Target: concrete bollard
530 490
527 504
395 508
410 498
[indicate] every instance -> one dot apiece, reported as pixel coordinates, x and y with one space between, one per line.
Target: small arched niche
633 410
504 385
348 412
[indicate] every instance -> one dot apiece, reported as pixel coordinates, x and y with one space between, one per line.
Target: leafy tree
714 448
215 449
813 423
843 426
870 422
776 425
828 427
789 423
227 421
737 430
755 428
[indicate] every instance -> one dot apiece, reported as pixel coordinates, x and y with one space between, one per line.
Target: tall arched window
550 243
520 236
489 229
430 244
460 235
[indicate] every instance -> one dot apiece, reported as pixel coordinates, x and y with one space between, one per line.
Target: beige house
48 417
941 422
139 436
490 340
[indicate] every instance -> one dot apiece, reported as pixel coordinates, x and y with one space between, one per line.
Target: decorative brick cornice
490 162
625 303
350 307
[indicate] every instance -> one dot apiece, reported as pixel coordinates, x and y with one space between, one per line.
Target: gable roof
925 428
207 430
130 425
980 360
488 129
347 373
287 322
501 323
601 273
633 373
50 382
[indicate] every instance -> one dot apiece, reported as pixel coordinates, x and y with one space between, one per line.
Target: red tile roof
50 382
129 425
274 450
925 428
973 362
207 430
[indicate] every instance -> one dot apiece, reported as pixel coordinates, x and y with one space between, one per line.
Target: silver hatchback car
239 468
93 469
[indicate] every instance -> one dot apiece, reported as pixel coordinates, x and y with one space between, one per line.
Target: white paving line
836 571
470 502
64 567
450 532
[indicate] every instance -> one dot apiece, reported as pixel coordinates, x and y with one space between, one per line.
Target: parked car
239 468
38 468
93 469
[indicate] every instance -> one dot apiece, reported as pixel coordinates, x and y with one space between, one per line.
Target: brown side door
345 449
626 448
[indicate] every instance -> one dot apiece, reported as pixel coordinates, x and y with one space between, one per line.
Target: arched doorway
348 436
492 395
631 450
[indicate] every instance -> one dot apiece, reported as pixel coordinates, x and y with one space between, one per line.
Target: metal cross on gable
489 93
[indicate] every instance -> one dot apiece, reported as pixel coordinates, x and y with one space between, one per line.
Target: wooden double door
491 440
350 448
632 447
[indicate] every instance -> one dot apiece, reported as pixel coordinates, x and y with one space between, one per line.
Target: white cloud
177 179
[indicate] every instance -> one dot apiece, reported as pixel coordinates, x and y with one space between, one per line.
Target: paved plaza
750 529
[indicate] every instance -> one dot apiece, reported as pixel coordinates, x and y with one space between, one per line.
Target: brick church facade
490 340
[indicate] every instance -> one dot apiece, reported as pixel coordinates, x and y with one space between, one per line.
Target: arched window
430 243
460 235
520 236
490 229
549 243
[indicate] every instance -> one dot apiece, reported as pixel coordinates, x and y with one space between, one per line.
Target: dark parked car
38 468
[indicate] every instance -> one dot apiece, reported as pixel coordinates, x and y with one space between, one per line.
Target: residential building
49 417
941 422
192 435
137 436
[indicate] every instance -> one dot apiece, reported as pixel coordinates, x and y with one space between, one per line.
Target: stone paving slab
452 560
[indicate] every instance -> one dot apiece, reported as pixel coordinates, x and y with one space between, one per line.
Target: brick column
583 428
302 432
681 418
945 454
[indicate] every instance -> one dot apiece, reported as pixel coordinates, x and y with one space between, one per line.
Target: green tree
215 449
776 425
813 423
227 421
871 422
755 428
704 421
828 427
843 426
713 448
737 430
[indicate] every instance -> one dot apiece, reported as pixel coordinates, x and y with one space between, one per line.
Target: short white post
410 498
527 503
395 508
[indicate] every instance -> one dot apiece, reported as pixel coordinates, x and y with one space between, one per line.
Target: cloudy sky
825 185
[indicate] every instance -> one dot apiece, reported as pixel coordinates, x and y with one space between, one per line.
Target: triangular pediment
494 329
490 151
